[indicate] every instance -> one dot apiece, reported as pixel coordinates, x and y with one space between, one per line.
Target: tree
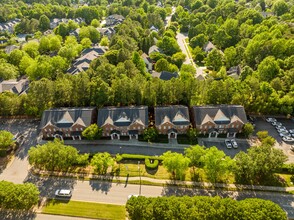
176 164
104 41
248 129
192 134
93 132
101 162
44 23
268 69
6 139
280 7
168 45
53 156
86 43
214 60
216 164
198 41
31 48
150 134
259 164
194 153
7 70
95 23
18 196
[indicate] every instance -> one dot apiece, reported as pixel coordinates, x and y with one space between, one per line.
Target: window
200 126
233 126
237 126
49 130
182 126
70 129
205 127
45 130
159 127
81 129
164 127
209 126
77 129
168 127
111 129
221 126
134 127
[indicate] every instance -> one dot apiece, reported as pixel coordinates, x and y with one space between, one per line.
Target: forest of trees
262 46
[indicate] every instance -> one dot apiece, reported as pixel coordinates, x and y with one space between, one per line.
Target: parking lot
263 125
243 145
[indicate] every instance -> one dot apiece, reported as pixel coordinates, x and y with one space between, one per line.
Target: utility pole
139 177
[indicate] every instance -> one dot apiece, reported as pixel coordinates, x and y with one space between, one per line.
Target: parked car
130 196
271 120
66 193
291 131
283 131
280 127
292 148
234 143
287 139
283 134
275 123
228 143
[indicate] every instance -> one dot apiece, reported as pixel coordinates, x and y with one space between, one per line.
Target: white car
66 193
280 127
283 134
228 143
234 143
130 196
287 139
283 131
271 119
291 131
275 123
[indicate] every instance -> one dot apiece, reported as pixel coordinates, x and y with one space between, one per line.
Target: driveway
16 171
181 37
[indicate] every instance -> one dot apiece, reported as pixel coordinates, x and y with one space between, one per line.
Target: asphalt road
181 42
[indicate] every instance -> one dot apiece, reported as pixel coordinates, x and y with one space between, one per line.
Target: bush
3 153
287 168
150 165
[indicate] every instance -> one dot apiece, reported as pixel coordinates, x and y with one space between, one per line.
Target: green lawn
85 209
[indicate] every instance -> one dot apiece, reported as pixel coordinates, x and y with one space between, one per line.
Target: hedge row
150 165
202 208
139 157
287 168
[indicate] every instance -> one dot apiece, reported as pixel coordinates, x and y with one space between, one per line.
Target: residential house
10 48
56 21
114 19
172 120
17 87
75 33
123 121
165 75
109 32
87 56
148 62
154 49
153 29
9 25
234 71
209 46
67 122
219 119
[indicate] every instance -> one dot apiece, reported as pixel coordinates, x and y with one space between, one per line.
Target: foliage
101 162
248 129
202 207
7 70
176 164
192 134
53 156
6 139
259 163
150 134
150 165
18 196
93 132
138 157
216 164
194 153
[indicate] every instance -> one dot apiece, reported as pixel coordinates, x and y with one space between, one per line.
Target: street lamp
139 177
120 150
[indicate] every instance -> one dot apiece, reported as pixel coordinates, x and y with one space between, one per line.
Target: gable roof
176 114
14 86
146 58
123 116
220 114
153 49
165 75
66 117
208 46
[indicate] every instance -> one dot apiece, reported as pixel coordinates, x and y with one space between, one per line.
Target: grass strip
85 209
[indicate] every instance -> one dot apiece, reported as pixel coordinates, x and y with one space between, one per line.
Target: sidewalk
178 183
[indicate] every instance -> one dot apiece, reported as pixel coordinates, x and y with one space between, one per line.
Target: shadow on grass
151 171
14 215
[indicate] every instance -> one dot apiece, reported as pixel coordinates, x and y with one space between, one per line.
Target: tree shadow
151 171
13 215
103 183
47 185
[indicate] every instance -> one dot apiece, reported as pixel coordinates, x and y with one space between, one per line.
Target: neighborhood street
106 192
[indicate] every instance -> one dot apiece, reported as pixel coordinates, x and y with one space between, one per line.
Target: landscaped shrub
2 153
287 168
150 165
139 157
